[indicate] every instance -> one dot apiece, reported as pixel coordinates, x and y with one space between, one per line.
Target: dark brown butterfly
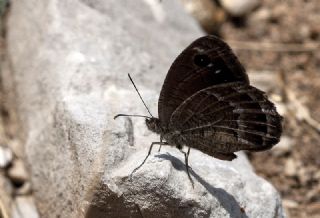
207 103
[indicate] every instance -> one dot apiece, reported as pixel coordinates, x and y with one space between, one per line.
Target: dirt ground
282 38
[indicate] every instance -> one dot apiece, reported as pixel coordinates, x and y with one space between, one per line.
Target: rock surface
68 69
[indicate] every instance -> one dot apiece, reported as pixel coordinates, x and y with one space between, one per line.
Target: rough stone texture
68 69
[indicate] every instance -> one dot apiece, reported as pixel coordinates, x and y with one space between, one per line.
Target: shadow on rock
227 201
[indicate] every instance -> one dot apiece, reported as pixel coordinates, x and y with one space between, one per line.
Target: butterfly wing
226 118
206 62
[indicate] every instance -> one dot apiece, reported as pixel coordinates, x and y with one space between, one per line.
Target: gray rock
69 63
222 189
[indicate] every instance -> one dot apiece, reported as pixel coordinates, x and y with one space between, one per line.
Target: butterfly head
153 125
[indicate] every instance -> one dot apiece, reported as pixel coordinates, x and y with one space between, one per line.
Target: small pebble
290 168
239 8
5 157
24 207
290 203
262 15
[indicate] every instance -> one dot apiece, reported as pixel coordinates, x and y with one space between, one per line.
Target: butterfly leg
186 157
149 152
160 143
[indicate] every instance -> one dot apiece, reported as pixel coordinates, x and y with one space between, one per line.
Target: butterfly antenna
129 115
139 95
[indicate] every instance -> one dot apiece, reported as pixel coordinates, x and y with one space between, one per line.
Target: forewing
227 118
206 62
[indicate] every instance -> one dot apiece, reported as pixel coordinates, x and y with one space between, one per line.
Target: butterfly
207 103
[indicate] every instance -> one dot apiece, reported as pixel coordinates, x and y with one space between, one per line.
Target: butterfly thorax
154 125
172 138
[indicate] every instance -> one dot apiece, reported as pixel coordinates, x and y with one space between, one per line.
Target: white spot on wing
200 50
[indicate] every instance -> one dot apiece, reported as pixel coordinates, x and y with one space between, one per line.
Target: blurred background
278 43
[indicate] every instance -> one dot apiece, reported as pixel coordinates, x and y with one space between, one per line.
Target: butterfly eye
201 60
